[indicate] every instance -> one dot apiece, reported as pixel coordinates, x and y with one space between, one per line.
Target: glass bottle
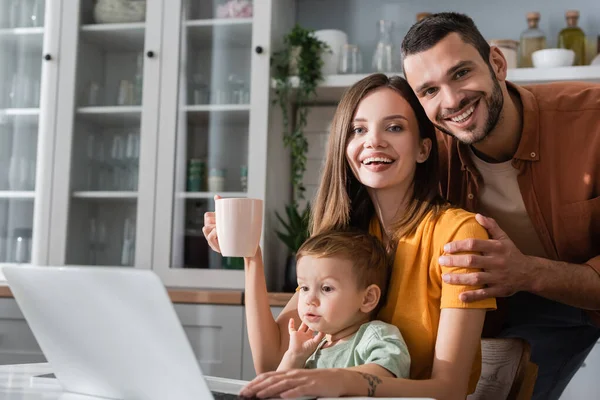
422 15
383 58
532 39
573 38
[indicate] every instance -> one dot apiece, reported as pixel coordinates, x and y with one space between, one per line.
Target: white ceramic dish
552 58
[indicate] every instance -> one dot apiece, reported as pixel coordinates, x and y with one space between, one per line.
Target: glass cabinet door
112 125
208 152
22 34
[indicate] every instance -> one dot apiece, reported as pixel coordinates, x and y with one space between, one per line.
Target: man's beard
495 103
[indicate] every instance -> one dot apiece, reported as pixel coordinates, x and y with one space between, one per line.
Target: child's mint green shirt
375 342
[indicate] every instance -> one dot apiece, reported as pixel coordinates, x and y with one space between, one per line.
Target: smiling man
528 158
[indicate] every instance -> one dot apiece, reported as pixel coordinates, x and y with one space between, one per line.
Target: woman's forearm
364 384
263 331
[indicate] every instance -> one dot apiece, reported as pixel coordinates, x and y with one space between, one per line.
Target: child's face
329 297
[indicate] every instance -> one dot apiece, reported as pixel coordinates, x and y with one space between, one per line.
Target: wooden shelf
111 115
115 37
228 33
106 195
31 39
13 194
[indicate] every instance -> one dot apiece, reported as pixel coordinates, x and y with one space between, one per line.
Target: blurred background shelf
209 195
111 115
106 195
111 37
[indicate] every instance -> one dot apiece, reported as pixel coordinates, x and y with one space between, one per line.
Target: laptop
111 332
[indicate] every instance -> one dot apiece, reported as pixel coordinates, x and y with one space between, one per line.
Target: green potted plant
300 58
295 232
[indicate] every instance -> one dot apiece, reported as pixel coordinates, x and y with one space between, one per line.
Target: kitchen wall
495 19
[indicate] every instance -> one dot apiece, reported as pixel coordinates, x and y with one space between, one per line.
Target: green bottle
573 38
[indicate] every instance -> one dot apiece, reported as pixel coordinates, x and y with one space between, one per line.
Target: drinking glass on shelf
138 80
36 15
125 93
237 90
128 247
132 155
350 60
14 13
117 157
97 237
22 245
17 173
92 94
13 92
199 92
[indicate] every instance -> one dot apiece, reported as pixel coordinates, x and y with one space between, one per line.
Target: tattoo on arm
373 382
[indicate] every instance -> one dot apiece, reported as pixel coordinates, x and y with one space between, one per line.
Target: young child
342 280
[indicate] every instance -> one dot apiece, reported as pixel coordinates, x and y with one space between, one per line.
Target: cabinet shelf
10 194
233 113
333 86
28 115
31 38
209 195
106 195
111 115
207 33
111 37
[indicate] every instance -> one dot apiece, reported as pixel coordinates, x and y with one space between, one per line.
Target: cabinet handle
47 57
258 49
150 54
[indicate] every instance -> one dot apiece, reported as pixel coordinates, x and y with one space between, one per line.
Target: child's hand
303 342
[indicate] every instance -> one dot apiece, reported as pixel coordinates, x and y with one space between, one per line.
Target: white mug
239 225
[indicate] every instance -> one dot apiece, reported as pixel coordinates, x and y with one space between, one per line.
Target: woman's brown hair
343 201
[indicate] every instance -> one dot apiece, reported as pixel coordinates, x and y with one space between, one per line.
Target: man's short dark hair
432 29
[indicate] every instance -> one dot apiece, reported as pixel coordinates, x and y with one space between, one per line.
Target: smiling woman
381 176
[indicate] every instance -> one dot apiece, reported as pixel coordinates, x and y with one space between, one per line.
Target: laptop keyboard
226 396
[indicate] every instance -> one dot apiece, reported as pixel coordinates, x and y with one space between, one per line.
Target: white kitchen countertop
21 382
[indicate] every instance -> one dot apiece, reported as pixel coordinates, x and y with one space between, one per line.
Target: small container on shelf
196 177
509 49
573 38
244 178
119 11
216 180
232 263
233 8
532 39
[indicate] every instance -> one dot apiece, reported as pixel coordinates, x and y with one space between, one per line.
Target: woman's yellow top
416 293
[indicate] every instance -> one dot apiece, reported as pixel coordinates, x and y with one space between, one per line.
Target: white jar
509 49
335 39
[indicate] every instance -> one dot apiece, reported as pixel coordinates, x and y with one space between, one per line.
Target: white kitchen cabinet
248 372
127 131
29 39
215 334
17 343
